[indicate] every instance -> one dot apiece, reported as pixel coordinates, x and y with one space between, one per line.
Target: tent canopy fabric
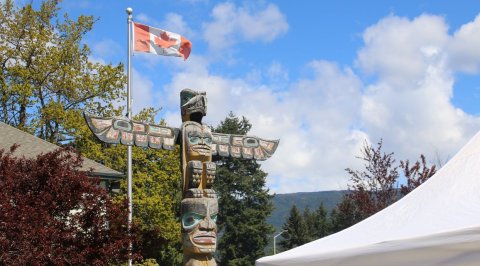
436 224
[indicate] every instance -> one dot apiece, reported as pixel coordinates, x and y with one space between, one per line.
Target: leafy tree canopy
156 190
47 81
53 214
46 77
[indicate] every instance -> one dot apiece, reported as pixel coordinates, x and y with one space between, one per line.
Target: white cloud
175 23
409 105
143 95
232 24
172 22
312 119
107 48
323 121
144 18
95 60
277 75
464 47
398 49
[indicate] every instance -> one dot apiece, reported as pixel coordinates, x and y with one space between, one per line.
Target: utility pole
275 241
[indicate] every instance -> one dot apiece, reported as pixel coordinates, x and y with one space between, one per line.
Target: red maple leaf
164 41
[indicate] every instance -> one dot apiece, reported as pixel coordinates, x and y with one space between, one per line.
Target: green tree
244 203
296 230
47 81
344 215
306 227
46 77
311 220
322 227
317 222
156 199
156 191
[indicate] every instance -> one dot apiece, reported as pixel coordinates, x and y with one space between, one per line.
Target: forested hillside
284 202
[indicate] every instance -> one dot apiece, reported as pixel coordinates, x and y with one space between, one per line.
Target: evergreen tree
344 215
311 221
244 203
296 233
317 223
322 226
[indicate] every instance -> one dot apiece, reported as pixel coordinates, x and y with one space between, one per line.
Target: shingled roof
31 146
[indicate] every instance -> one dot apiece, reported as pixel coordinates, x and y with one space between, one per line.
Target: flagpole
129 116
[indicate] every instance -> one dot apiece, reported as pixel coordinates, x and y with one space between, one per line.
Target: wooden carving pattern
198 145
116 130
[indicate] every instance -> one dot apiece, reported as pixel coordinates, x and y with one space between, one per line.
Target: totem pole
198 144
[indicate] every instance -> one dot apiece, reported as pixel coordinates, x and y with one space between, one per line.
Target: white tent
436 224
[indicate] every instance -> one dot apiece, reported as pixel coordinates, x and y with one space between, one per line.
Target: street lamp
275 241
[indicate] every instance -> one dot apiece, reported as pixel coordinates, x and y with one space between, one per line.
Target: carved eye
207 140
214 217
123 125
193 139
250 142
190 219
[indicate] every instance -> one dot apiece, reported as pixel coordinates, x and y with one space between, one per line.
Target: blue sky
322 76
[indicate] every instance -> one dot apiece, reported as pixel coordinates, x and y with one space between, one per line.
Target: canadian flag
161 42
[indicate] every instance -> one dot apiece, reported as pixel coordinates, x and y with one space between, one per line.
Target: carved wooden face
199 228
198 140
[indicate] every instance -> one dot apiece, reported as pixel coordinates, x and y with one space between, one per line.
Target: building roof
31 146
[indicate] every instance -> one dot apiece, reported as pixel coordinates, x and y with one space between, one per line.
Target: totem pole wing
247 147
128 132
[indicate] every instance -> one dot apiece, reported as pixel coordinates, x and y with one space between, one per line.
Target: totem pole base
198 260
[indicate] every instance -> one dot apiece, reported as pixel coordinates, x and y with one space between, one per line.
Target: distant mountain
284 202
